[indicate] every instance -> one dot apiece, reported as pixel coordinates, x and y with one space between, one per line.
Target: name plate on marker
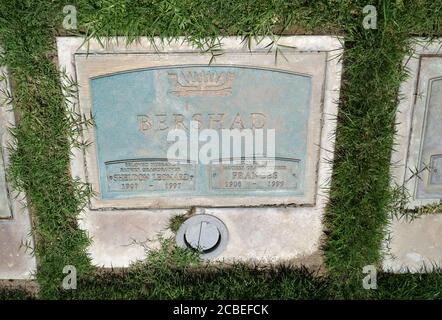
5 208
436 170
149 175
256 175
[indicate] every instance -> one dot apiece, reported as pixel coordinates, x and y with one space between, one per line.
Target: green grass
40 160
177 274
173 273
360 197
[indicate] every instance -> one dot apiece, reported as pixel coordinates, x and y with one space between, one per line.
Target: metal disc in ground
204 233
202 236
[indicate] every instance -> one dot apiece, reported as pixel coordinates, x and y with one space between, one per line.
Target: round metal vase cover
204 233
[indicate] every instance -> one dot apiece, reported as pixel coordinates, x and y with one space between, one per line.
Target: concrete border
415 246
120 236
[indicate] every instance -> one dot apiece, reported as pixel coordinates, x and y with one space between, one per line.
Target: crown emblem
201 83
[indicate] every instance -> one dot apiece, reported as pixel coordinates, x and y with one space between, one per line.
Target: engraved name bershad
167 121
249 103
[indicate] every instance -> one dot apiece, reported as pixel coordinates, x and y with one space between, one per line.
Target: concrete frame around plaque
265 228
16 261
417 245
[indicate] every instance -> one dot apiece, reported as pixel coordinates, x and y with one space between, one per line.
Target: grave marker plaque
136 104
135 110
430 85
421 135
5 117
